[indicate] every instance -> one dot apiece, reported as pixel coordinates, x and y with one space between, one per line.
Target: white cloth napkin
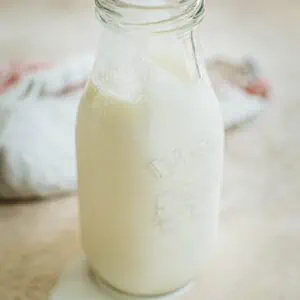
37 119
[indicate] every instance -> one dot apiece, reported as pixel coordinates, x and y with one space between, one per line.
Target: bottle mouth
159 17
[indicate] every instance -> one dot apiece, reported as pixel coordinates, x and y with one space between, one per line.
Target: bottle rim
181 16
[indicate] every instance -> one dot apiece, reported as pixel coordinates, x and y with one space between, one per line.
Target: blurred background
260 209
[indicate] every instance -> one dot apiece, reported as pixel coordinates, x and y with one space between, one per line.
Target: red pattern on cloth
258 87
11 75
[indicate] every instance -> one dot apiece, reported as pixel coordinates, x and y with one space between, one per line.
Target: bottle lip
133 5
181 16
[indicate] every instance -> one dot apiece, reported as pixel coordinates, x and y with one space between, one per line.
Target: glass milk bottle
149 149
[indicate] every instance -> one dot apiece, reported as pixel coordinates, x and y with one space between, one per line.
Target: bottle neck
160 16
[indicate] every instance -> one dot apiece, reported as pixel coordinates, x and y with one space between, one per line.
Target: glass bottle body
149 149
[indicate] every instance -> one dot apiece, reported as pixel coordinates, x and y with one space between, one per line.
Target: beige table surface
259 253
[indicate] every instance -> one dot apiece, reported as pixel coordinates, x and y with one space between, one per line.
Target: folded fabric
38 104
